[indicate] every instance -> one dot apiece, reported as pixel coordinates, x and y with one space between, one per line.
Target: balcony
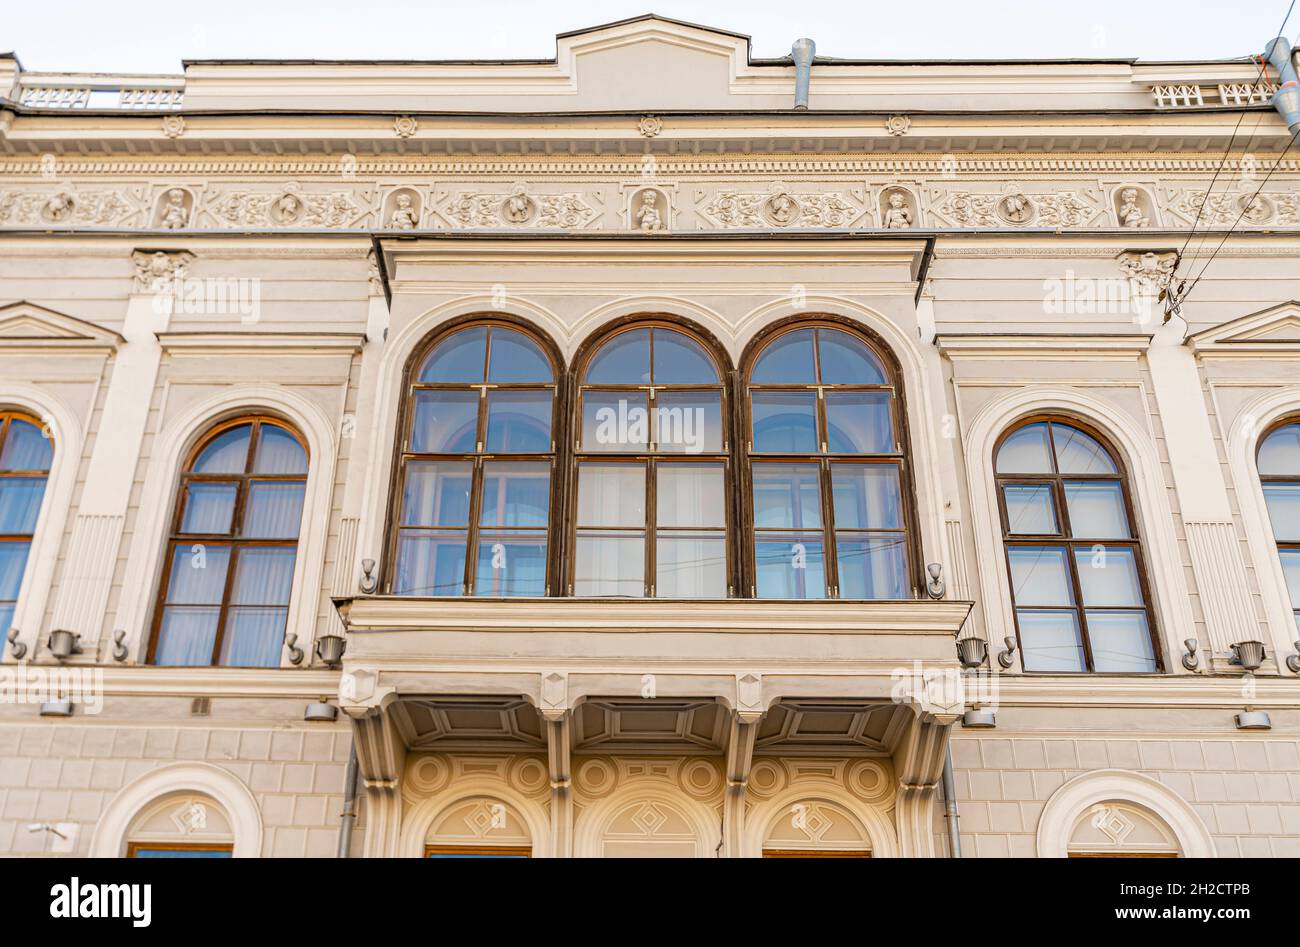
78 92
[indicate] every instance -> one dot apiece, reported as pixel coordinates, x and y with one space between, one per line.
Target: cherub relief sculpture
175 215
403 216
647 216
1130 214
897 215
518 207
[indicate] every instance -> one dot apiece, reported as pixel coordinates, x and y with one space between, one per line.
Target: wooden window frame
478 458
1067 541
133 848
497 851
1287 545
233 540
650 459
824 459
815 853
6 422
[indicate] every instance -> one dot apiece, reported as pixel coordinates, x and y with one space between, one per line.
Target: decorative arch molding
422 816
51 521
397 354
172 445
109 839
1068 803
593 823
1146 483
1244 432
877 826
704 320
923 413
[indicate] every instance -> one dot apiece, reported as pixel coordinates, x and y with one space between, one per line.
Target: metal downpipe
349 817
950 806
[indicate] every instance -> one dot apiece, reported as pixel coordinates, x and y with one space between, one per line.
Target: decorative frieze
778 206
569 210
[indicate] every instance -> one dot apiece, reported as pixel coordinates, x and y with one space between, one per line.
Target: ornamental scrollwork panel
65 205
779 206
518 206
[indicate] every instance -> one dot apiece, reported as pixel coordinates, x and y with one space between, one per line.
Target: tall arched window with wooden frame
26 452
828 481
472 508
1078 584
652 515
1278 462
230 560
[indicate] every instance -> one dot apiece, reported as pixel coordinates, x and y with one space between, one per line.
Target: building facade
651 450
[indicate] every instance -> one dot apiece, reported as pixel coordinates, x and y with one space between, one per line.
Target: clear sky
92 35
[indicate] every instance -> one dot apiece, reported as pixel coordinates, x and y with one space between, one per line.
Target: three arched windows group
654 491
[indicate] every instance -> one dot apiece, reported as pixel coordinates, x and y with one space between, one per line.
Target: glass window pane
866 496
1040 576
1279 455
198 574
6 617
859 422
1290 568
13 560
1031 511
688 422
209 507
690 495
1108 576
1025 451
1120 642
691 565
278 452
274 509
610 564
458 359
790 567
787 496
511 565
623 360
253 637
263 575
519 422
516 359
436 493
872 567
446 422
847 360
186 636
1096 510
680 360
1050 640
516 494
430 564
1283 501
785 422
1078 453
20 504
615 421
226 453
26 447
787 361
611 495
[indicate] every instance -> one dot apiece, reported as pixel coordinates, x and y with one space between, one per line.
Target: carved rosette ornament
898 125
650 126
173 126
404 126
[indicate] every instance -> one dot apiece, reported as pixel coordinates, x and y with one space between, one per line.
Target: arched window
652 511
827 470
1279 473
25 456
473 512
1078 585
230 561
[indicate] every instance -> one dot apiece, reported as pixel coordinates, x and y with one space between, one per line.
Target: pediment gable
1277 326
27 325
